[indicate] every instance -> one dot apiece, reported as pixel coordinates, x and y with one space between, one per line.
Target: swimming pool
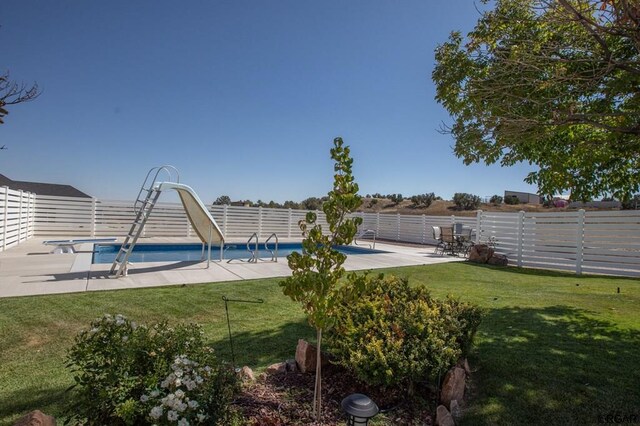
106 253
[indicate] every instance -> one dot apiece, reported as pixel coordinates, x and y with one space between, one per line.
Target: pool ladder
254 252
363 234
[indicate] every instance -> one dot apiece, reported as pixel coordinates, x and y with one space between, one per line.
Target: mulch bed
286 399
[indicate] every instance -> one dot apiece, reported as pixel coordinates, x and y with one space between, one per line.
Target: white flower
180 394
144 398
125 338
201 417
94 330
178 382
180 406
193 404
183 422
134 325
154 393
156 412
190 384
199 379
172 416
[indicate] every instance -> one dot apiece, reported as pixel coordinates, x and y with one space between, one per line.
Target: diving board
68 246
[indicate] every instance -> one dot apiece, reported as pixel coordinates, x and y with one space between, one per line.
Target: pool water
106 253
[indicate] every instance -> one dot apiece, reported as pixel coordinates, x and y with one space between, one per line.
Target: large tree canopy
555 83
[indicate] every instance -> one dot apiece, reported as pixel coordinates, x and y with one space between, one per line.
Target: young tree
316 271
555 83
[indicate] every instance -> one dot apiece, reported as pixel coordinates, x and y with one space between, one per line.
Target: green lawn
552 349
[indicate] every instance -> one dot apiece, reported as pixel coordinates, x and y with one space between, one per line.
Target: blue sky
243 97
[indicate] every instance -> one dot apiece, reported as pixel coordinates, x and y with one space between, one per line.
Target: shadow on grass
554 365
48 400
258 349
535 272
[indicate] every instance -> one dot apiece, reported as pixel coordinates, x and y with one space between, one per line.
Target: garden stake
226 309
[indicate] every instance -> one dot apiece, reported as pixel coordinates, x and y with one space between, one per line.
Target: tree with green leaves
555 83
223 200
316 271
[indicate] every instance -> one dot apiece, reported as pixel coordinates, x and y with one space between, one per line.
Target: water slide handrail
167 169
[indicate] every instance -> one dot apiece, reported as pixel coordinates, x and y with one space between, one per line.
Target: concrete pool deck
29 269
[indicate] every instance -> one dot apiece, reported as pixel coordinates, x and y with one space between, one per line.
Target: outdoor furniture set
454 240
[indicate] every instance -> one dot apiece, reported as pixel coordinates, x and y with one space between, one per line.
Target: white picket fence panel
17 212
606 242
76 217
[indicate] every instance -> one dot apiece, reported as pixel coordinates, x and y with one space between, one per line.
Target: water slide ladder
142 207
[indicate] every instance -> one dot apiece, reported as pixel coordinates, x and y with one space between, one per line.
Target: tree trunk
317 391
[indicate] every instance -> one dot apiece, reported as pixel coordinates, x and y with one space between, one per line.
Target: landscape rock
480 253
453 386
443 417
36 418
292 366
246 373
455 410
277 368
306 357
498 260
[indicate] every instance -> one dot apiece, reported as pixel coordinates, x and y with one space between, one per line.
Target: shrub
311 203
632 203
512 200
464 201
391 334
495 199
130 374
395 198
423 200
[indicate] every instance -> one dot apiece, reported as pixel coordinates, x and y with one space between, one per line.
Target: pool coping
29 269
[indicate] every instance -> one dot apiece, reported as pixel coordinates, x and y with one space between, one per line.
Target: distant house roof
43 188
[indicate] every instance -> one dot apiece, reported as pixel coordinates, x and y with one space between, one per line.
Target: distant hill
444 208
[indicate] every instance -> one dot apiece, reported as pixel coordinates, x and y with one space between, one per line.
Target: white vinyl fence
88 217
603 242
17 211
606 242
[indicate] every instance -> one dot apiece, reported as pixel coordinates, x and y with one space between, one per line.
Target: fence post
424 229
520 236
397 226
453 219
6 217
94 202
378 223
580 242
224 218
289 223
478 225
20 195
260 221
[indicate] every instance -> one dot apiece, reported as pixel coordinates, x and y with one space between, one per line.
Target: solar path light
359 408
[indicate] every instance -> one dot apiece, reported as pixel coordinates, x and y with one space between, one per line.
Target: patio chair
449 241
437 235
464 242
